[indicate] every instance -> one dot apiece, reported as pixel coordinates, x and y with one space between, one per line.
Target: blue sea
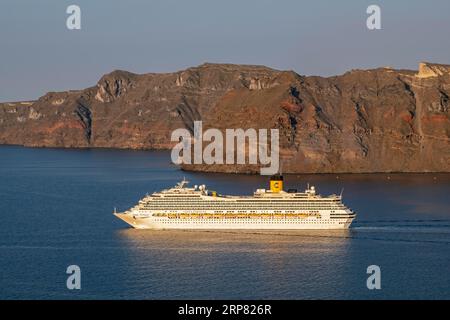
56 210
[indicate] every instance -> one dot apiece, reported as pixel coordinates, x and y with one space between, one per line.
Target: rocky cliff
380 120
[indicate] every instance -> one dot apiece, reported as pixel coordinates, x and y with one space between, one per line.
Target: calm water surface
56 210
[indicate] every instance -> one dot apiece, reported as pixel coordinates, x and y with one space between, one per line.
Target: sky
315 37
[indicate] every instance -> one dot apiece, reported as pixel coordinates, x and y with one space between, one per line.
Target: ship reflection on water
271 241
298 264
229 264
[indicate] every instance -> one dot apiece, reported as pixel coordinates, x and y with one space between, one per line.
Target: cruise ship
183 207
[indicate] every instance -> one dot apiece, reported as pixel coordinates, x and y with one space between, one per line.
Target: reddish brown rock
380 120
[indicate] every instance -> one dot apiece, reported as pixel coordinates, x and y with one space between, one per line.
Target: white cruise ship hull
161 223
181 207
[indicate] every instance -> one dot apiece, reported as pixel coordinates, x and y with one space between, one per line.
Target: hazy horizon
323 38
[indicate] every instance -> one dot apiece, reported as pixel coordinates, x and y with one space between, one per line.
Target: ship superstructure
183 207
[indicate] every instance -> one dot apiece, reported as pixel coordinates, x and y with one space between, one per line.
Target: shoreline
253 173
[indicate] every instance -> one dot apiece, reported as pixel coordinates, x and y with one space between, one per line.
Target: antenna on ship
342 192
181 184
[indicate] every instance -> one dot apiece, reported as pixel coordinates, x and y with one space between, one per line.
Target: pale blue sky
320 37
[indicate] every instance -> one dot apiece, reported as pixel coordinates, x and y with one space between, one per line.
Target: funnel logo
237 150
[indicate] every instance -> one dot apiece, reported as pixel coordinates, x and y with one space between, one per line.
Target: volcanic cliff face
380 120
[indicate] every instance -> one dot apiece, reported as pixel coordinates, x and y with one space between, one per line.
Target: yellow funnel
276 183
